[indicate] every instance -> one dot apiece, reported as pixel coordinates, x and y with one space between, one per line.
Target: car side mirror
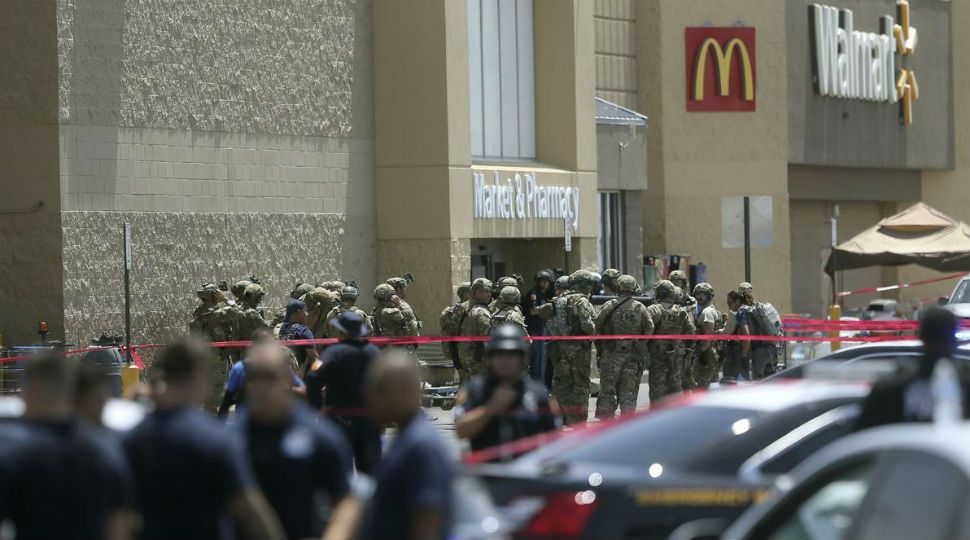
701 529
943 300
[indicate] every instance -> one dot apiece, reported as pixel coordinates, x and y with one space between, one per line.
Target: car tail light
564 516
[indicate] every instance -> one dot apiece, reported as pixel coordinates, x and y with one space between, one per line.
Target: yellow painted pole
129 379
835 314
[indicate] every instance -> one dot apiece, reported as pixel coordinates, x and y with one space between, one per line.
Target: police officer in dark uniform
505 404
541 294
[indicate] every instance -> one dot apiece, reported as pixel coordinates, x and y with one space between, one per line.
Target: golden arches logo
723 57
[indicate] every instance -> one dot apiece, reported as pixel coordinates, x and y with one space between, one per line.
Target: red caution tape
901 285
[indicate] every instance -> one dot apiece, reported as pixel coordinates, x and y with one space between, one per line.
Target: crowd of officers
564 307
278 470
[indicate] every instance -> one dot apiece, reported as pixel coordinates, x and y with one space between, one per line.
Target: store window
502 80
611 230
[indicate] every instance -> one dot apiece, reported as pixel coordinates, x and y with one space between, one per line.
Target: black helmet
544 274
507 337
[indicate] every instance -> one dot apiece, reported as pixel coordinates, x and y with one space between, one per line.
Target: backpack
558 325
765 320
499 318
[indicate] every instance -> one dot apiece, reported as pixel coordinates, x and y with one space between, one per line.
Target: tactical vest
501 316
671 321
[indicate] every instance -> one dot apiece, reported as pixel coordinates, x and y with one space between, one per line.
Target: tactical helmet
507 281
543 274
383 292
664 289
481 283
510 295
397 282
254 292
207 291
596 277
744 287
301 290
677 276
349 293
507 337
705 288
334 286
562 283
581 278
626 284
239 288
464 288
610 275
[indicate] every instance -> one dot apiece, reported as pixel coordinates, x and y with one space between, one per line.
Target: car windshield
962 293
655 438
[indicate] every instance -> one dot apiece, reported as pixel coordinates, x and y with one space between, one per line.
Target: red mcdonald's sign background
721 68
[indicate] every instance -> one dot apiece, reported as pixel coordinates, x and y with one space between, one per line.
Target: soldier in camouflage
449 321
475 321
667 357
570 379
623 361
507 310
392 316
238 290
250 319
679 279
708 321
215 320
610 275
507 281
319 302
348 302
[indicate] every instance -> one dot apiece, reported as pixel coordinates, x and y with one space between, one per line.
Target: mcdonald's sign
720 69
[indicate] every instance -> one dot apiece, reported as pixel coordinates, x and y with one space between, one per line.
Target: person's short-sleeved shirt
530 415
186 470
291 331
295 462
343 371
60 482
707 315
237 378
414 475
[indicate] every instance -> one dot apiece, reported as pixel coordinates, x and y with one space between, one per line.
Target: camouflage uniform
623 361
497 289
348 299
705 362
507 310
667 357
570 379
319 302
391 320
250 319
475 321
610 276
679 279
238 290
448 322
215 320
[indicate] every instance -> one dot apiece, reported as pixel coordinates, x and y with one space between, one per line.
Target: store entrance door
493 259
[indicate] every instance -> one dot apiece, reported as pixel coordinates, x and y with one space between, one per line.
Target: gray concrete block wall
236 137
174 253
295 67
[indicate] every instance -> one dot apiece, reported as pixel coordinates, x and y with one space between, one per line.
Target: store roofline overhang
611 113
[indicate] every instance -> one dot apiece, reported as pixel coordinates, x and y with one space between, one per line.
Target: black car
707 455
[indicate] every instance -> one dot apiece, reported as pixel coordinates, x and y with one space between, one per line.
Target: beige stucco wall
616 51
695 159
30 231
